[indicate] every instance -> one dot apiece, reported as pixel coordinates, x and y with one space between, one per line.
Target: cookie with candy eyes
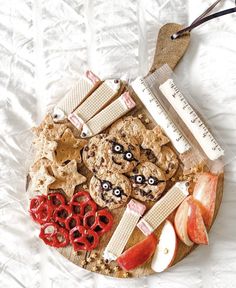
128 126
167 160
110 190
120 155
148 182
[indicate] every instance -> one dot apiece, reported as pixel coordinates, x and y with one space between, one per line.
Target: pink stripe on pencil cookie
124 230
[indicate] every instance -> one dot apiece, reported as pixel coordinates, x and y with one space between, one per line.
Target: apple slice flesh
196 228
138 254
166 248
205 193
181 222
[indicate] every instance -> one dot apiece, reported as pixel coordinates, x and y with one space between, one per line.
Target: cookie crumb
147 121
173 179
140 116
85 186
103 266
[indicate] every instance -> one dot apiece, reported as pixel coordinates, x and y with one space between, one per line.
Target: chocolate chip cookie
110 190
148 182
119 155
129 126
92 154
167 160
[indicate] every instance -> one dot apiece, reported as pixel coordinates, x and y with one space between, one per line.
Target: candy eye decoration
117 191
128 156
152 181
106 185
117 148
139 179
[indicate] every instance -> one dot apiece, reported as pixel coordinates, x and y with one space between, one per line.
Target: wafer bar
163 208
94 103
83 87
108 115
124 230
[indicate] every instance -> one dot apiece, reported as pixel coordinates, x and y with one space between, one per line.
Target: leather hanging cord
201 19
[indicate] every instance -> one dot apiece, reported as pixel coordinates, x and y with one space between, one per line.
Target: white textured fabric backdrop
44 46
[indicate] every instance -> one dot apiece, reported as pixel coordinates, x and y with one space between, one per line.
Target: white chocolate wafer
108 115
163 208
73 98
124 230
94 103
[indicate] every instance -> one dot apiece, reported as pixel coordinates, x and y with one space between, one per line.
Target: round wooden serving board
170 52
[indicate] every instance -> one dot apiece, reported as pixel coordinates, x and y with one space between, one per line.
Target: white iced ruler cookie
124 230
192 120
94 103
163 208
72 99
108 115
158 113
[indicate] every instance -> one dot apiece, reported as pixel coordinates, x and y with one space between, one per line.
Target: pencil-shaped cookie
124 230
83 87
163 208
108 115
94 103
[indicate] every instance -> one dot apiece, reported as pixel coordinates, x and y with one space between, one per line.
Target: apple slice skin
167 240
205 193
138 254
196 228
181 222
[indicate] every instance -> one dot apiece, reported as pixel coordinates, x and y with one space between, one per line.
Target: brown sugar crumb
140 116
173 179
103 266
85 186
126 275
147 121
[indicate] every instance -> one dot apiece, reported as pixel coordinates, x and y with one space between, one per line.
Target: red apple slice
138 254
181 222
196 228
205 192
166 248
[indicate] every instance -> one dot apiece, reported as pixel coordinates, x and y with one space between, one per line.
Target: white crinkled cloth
44 47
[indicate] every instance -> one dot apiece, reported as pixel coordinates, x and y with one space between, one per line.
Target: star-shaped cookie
52 130
41 180
67 177
44 148
154 139
69 147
